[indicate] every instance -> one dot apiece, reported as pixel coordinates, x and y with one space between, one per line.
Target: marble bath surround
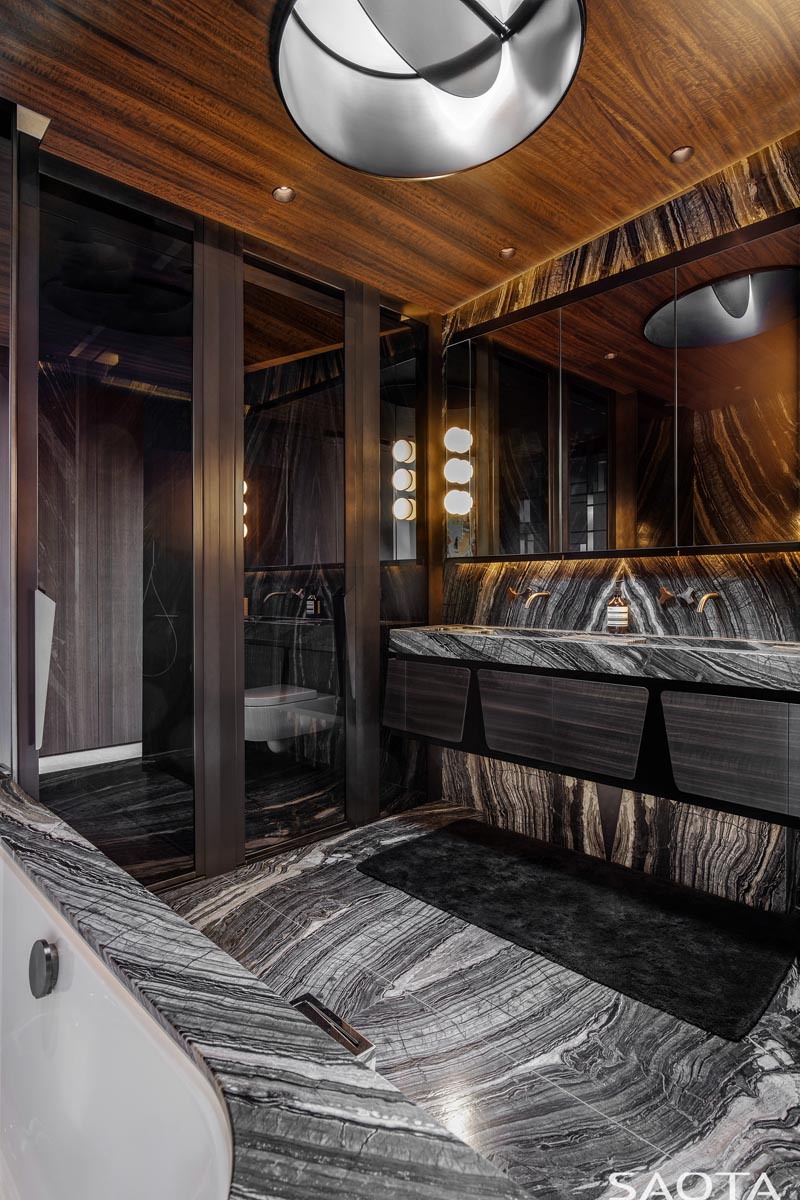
308 1121
727 662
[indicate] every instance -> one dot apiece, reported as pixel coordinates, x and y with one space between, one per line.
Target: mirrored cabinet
658 413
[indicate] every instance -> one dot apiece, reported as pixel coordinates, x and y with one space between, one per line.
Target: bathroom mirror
659 413
572 414
737 388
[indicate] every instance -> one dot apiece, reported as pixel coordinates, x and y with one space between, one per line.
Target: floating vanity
713 721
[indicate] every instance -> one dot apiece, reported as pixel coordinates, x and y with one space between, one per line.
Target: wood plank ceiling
176 97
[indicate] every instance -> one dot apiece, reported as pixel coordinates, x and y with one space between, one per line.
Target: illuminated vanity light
244 531
458 440
457 502
404 508
244 487
404 451
458 470
244 510
404 480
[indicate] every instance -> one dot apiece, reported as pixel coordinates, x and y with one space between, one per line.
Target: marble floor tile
556 1079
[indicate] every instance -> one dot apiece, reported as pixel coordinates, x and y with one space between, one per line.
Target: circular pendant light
416 89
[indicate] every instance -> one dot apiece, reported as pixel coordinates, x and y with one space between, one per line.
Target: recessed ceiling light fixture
508 252
283 194
415 91
611 354
681 154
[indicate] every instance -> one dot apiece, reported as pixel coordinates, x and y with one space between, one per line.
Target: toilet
280 712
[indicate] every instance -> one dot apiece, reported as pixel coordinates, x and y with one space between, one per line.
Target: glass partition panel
618 392
737 336
6 627
115 527
293 558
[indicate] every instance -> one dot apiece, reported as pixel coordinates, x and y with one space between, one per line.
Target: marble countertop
308 1121
731 662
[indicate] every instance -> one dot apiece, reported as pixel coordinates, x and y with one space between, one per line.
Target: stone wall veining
741 858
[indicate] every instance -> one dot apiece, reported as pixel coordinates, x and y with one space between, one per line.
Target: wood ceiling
176 97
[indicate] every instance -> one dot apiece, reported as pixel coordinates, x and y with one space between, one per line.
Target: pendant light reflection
727 310
414 91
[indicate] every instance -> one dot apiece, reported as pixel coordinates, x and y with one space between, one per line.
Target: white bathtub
96 1101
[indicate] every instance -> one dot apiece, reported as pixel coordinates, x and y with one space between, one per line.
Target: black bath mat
710 962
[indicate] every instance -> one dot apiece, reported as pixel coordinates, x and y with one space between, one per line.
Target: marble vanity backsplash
740 858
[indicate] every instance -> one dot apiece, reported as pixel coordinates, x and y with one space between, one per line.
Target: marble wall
741 858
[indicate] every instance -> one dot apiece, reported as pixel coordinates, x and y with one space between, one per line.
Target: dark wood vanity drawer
729 748
573 723
427 699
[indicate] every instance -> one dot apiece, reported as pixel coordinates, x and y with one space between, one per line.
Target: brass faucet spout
534 596
705 599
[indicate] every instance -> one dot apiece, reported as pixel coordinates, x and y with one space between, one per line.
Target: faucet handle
665 595
687 597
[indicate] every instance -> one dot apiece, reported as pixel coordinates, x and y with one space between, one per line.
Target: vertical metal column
30 128
218 550
362 551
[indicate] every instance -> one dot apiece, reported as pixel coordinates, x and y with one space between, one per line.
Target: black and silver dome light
727 310
417 89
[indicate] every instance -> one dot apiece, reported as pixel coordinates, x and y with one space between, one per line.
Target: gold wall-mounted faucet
705 599
534 596
513 595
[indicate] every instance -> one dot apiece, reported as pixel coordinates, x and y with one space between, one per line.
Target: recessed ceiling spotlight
611 354
416 91
681 154
508 252
283 194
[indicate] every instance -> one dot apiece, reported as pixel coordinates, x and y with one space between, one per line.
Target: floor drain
337 1028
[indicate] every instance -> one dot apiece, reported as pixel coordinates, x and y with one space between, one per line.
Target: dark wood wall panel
90 559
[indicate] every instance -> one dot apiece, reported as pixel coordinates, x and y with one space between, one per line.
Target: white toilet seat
277 693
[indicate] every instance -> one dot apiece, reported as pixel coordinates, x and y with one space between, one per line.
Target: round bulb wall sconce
244 487
404 480
404 451
404 508
408 90
244 509
458 470
244 531
458 440
458 503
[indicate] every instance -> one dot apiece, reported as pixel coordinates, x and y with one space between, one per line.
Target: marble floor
142 816
556 1079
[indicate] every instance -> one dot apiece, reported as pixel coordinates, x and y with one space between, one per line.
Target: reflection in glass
589 422
294 560
738 395
526 391
115 527
404 571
